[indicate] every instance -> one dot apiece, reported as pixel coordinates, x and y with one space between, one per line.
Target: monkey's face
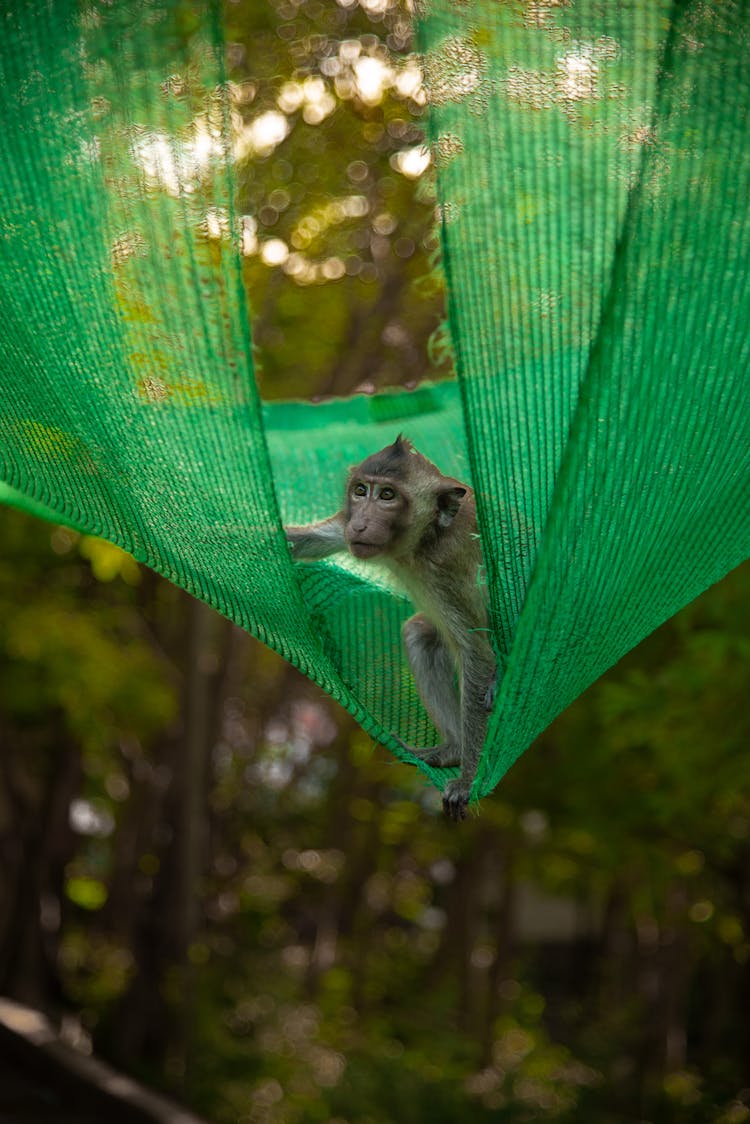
375 511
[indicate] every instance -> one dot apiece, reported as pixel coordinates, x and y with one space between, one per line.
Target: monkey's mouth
365 549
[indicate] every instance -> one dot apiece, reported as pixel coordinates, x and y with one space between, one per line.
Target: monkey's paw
456 799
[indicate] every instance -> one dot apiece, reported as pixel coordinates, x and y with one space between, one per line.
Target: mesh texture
593 162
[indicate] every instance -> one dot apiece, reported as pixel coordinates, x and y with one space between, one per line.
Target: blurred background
210 876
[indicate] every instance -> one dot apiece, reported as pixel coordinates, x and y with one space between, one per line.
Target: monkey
400 509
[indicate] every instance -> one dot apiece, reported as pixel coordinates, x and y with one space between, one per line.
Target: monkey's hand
456 799
443 756
489 695
316 540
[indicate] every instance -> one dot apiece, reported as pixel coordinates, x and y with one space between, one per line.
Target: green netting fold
592 164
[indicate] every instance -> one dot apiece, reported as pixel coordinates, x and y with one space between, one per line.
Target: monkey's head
394 498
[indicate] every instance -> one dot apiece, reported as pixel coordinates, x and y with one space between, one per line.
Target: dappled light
178 166
357 91
262 135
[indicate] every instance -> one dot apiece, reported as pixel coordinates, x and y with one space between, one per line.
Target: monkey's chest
448 596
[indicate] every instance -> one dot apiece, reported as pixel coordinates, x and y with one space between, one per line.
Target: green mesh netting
593 168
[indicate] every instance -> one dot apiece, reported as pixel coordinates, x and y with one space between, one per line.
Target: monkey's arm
317 540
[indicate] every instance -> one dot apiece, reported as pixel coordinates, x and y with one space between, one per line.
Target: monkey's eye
387 494
359 490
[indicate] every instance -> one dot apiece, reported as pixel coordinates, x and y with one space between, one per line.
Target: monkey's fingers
443 756
456 800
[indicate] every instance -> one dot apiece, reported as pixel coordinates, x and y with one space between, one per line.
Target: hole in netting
336 199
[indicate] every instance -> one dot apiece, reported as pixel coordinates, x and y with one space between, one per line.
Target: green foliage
99 678
93 668
88 893
96 969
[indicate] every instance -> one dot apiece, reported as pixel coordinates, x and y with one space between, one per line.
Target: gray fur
393 461
427 536
434 672
317 540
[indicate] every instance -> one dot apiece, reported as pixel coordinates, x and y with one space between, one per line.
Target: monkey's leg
477 675
434 674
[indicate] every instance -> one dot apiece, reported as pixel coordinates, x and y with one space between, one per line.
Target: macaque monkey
400 509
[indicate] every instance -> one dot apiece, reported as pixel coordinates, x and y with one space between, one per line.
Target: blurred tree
79 680
288 928
337 215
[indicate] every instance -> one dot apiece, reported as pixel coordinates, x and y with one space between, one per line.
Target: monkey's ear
448 501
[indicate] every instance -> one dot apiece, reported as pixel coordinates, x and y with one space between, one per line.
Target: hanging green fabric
593 163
